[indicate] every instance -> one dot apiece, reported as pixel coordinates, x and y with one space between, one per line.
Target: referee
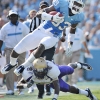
36 21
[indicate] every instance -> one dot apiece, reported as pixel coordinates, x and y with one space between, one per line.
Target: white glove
69 51
56 17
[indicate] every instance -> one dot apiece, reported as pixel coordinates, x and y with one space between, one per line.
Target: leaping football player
48 34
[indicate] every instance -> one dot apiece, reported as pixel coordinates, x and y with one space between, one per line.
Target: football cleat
84 66
19 70
7 68
40 95
90 95
48 93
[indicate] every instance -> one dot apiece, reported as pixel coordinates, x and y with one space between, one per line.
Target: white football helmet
76 6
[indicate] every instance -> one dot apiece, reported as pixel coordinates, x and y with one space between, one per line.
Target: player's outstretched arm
22 84
44 14
56 88
70 40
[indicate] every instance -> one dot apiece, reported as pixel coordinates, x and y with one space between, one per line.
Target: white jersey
52 74
12 34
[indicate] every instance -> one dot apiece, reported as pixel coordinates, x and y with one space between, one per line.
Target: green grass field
94 86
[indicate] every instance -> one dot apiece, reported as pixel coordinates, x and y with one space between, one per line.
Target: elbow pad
45 16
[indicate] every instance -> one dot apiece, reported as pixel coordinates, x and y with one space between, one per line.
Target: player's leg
65 70
41 91
64 87
80 65
29 42
87 92
46 43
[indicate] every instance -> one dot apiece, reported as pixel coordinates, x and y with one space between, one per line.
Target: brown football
54 13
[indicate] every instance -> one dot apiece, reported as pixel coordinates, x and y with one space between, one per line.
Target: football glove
56 17
69 51
31 82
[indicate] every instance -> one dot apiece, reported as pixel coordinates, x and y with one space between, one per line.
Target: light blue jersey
62 7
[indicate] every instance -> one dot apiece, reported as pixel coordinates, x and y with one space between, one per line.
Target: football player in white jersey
47 34
44 72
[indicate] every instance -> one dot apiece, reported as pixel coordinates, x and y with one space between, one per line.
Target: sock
15 84
83 92
29 61
78 65
13 60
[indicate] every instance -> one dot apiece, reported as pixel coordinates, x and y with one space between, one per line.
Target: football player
47 34
44 72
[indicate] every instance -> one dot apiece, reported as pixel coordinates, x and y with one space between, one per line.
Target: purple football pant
64 70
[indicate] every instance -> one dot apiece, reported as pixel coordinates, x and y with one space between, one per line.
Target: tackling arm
22 84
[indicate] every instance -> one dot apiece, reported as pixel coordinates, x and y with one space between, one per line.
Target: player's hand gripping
56 17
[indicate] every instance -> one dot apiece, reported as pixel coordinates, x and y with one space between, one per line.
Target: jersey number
66 24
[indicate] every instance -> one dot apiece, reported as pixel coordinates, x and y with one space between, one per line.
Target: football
54 13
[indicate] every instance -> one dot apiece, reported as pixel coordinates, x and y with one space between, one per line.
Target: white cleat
84 66
90 95
18 71
7 68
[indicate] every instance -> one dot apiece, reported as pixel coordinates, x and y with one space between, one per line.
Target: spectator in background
2 58
22 13
11 33
28 6
94 36
15 6
4 15
35 4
